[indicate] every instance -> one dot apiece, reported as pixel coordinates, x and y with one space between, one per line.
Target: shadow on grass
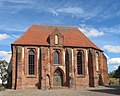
111 89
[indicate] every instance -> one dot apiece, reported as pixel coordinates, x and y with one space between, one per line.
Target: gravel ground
99 91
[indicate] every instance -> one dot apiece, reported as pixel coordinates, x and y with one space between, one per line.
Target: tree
117 74
3 71
111 74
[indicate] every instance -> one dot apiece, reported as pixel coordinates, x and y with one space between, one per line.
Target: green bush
2 88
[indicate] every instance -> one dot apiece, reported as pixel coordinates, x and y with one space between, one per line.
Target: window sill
57 64
81 76
31 76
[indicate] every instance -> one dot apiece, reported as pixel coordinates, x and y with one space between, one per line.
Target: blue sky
99 20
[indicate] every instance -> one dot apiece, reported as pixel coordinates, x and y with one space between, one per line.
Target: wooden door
57 78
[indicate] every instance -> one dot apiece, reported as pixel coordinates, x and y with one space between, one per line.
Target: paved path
99 91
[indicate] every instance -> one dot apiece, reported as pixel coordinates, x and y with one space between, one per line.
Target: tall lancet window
31 61
56 57
56 39
79 63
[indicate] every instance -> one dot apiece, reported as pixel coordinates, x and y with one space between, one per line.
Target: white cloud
54 12
14 27
114 61
75 11
15 36
14 6
116 66
5 55
93 33
112 49
90 32
17 1
83 10
70 10
86 11
4 36
112 29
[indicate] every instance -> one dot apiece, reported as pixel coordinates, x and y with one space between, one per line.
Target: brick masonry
45 67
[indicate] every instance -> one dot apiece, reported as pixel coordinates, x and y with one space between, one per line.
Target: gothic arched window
31 62
56 57
56 39
79 63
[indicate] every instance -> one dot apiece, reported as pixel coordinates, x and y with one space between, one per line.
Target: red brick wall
44 66
105 71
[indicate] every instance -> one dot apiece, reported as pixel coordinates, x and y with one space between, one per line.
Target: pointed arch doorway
57 78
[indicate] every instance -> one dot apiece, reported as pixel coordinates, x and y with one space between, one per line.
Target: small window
79 63
31 61
56 39
56 57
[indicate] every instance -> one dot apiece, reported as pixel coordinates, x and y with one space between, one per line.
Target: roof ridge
53 25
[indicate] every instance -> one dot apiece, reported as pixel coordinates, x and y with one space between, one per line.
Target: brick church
47 57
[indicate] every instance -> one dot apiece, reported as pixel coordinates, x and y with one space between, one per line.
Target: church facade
47 57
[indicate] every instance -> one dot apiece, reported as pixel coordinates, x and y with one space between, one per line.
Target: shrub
2 88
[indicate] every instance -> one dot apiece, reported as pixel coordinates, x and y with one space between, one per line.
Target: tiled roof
38 34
